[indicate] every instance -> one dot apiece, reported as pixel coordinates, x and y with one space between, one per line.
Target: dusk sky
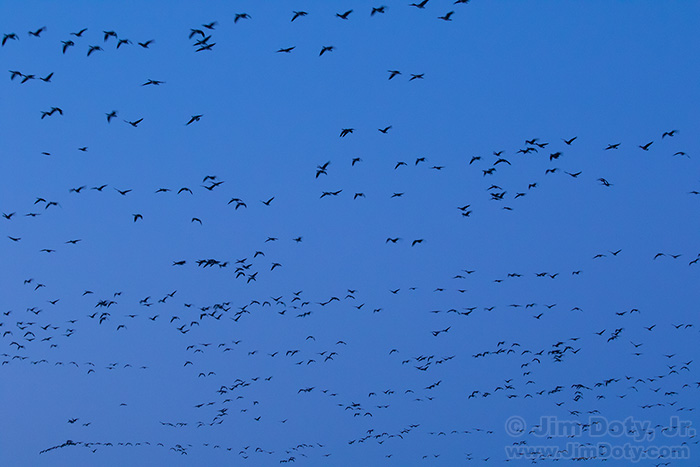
348 234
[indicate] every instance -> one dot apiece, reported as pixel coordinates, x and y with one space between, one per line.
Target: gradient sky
569 293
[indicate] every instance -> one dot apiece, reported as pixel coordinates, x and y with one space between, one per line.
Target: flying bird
10 36
669 133
38 32
67 44
194 118
298 14
93 48
135 123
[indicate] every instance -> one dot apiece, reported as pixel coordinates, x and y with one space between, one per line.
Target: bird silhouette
93 48
194 118
134 123
298 14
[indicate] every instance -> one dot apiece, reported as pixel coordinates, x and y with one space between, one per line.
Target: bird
298 14
10 36
343 15
194 118
286 50
321 169
134 123
326 48
447 16
38 32
206 47
93 48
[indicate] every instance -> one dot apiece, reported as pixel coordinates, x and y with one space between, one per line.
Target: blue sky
564 79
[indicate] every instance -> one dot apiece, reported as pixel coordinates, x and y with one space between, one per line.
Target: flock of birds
211 335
